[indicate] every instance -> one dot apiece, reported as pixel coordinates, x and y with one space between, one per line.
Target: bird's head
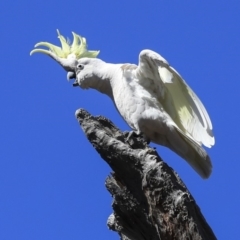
86 72
69 54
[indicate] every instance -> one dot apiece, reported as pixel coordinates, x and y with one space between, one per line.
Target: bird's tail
193 153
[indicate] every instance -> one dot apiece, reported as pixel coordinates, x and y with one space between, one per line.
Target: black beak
75 84
72 75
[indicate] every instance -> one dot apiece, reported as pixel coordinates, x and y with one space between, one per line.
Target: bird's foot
136 135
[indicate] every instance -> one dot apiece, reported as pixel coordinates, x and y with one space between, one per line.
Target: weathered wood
150 201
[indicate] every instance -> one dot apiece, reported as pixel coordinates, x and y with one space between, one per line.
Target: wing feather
177 98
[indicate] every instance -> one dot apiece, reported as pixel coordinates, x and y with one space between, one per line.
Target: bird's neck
101 79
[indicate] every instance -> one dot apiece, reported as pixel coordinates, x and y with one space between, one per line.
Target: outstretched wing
176 97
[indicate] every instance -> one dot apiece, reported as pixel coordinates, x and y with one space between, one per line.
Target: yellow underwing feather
192 117
177 98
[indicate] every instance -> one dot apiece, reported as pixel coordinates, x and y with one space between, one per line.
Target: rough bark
150 201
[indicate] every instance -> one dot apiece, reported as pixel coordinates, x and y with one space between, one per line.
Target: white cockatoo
152 98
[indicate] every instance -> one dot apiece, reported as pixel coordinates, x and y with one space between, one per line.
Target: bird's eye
80 66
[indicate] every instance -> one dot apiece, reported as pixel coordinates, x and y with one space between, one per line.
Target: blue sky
51 179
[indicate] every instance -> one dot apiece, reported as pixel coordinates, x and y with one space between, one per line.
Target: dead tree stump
150 201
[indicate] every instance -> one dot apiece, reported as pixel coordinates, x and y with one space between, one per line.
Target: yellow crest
78 48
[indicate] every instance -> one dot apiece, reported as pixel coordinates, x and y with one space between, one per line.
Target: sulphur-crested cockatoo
152 98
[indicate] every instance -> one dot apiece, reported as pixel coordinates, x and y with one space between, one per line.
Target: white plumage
154 100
